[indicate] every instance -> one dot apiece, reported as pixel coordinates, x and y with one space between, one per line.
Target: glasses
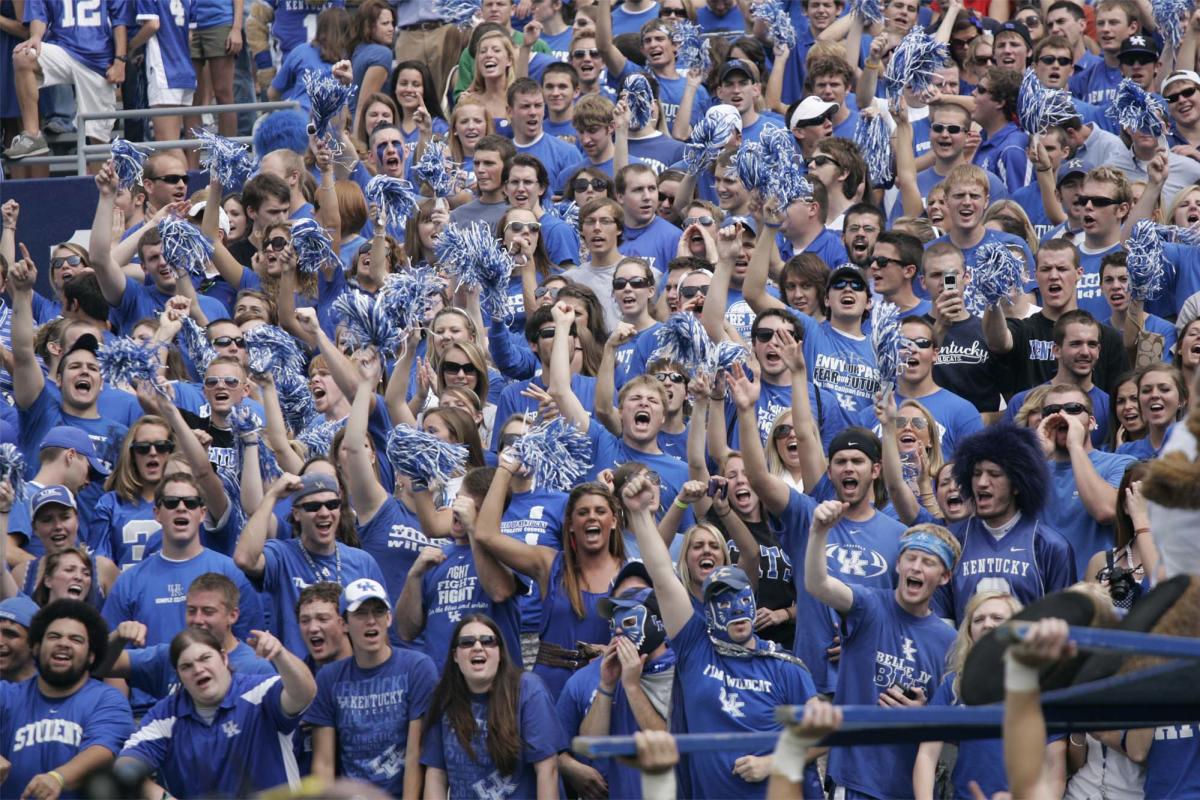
225 341
546 291
782 432
920 342
673 377
316 505
849 283
982 90
171 502
916 423
58 261
820 161
213 381
1064 408
678 13
548 333
1138 60
1172 99
171 179
486 640
508 440
811 123
1050 61
961 42
940 127
158 446
688 292
664 198
585 53
276 243
701 220
636 283
459 369
882 262
595 184
521 227
1032 22
764 335
1097 201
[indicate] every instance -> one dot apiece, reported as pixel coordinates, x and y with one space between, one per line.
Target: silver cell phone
950 282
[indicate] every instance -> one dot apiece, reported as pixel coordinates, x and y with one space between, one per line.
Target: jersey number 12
81 13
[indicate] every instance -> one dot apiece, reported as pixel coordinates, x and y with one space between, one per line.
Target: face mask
639 625
729 607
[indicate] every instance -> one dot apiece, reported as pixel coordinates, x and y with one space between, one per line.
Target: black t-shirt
243 251
775 581
966 367
222 453
1031 362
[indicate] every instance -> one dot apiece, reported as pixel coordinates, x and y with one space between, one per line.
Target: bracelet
1019 677
58 776
1139 531
869 64
1047 169
679 505
726 514
609 695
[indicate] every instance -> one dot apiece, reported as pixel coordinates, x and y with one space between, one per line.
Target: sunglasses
595 184
171 179
521 227
673 377
1138 60
546 291
941 127
585 53
764 335
811 123
820 161
548 333
1065 408
508 440
1031 22
486 640
317 505
664 198
58 261
171 502
688 292
1097 201
782 432
883 261
1062 61
920 342
459 369
916 423
276 243
702 220
982 61
849 283
213 381
678 13
636 283
225 341
158 446
1172 99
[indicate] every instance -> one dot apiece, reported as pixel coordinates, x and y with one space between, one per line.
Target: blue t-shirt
657 242
555 154
1087 288
658 151
371 710
609 452
150 669
1003 155
990 235
513 402
1173 763
167 50
127 527
474 774
139 301
47 412
289 80
83 29
670 91
365 56
979 760
624 21
561 242
843 364
1100 410
711 23
246 749
776 398
766 119
213 14
534 517
1096 83
296 22
394 539
1065 513
1182 281
450 591
561 627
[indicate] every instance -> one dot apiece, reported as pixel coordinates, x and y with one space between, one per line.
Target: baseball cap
86 341
725 115
859 439
632 569
1179 76
810 108
51 495
72 438
197 210
746 222
1072 166
315 482
608 606
19 609
738 65
846 271
359 592
720 579
1139 45
1012 26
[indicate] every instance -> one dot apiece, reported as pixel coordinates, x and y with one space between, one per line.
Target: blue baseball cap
314 483
1072 166
74 439
727 578
51 495
19 609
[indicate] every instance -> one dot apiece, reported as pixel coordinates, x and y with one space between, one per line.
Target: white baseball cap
359 592
812 107
1178 76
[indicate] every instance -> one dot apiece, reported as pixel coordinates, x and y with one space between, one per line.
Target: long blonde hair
933 453
125 480
477 82
957 657
681 567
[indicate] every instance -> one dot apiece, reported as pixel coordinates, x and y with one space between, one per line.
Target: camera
1123 587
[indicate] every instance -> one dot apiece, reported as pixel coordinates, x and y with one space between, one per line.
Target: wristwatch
122 59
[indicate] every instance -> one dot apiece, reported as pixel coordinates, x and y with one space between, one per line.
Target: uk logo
731 705
231 729
910 650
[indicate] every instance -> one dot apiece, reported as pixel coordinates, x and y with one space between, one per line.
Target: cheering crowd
508 398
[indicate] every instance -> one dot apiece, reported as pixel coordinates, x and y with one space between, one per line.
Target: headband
928 543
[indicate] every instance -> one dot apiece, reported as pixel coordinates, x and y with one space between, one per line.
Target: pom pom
771 167
243 421
424 457
556 453
127 362
456 12
726 354
778 21
196 345
271 350
1039 108
875 141
997 271
365 320
435 168
639 98
295 400
869 11
327 96
913 63
1146 258
1169 18
228 161
317 438
12 468
406 300
706 141
127 163
1136 110
184 247
886 340
395 200
567 211
314 248
683 339
692 50
477 259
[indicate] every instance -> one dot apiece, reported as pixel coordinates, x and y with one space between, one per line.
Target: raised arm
674 603
868 78
893 471
1046 641
754 285
1156 170
28 381
108 273
299 686
606 380
773 95
8 587
771 488
497 580
729 241
528 559
276 428
613 58
808 434
216 501
366 493
817 580
911 200
396 394
682 127
248 555
995 330
559 380
10 212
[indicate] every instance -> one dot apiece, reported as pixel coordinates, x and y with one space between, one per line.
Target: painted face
730 615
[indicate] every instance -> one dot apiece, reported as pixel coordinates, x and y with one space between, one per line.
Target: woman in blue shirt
1162 400
124 515
415 91
491 727
327 47
370 54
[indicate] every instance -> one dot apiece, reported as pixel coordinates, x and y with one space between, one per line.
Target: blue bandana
928 543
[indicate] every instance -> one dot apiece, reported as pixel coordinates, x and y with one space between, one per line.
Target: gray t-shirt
475 211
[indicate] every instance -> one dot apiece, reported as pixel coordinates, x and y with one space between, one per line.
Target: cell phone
950 282
909 692
716 487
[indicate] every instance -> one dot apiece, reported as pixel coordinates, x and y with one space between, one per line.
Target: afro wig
281 130
1013 449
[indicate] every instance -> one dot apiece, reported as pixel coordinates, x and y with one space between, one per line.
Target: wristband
1019 677
679 505
58 776
1139 531
609 695
658 785
262 60
790 752
875 65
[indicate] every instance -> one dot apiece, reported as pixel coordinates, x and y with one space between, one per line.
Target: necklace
317 572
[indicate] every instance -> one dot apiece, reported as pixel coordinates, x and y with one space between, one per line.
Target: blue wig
1017 452
281 130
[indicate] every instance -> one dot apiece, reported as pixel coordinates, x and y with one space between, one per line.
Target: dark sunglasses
548 333
459 369
486 640
941 127
213 381
688 292
811 123
982 61
782 432
171 179
581 53
1097 201
158 446
1032 22
546 291
1066 408
883 261
1062 61
225 341
1138 60
678 13
583 184
171 502
521 227
820 161
636 283
701 220
316 505
916 423
764 335
276 243
673 377
920 342
58 261
849 283
1172 99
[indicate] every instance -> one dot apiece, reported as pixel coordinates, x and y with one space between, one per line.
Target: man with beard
16 655
861 226
64 725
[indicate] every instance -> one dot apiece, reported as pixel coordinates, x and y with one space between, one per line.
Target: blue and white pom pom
725 355
785 179
692 50
406 299
869 11
997 270
243 421
1170 16
1146 258
565 210
12 468
640 99
1137 110
317 438
327 96
366 323
435 168
476 259
913 63
184 246
295 400
395 200
778 21
196 344
460 13
1039 108
556 454
874 140
886 340
750 166
424 457
707 140
314 248
683 339
125 361
272 350
230 162
127 163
